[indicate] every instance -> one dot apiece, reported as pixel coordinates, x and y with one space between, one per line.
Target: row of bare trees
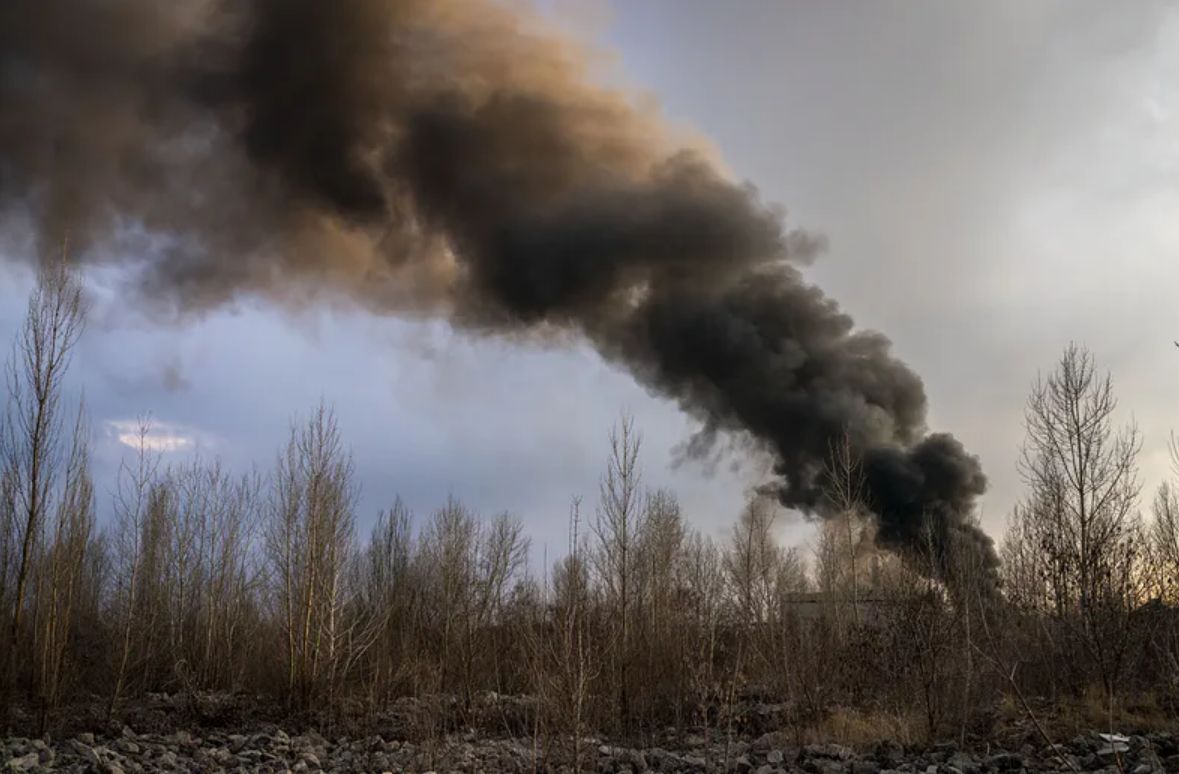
207 579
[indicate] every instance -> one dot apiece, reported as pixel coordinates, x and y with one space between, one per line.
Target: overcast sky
994 179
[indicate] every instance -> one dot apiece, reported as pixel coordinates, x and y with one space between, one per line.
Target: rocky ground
272 750
217 733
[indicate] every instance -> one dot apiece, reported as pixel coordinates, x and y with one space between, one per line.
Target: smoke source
451 157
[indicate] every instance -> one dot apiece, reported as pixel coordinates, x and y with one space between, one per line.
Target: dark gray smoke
452 157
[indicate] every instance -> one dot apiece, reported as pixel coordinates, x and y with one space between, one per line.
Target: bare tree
618 524
844 489
393 585
33 438
1083 486
138 509
61 569
704 582
574 658
310 544
448 561
752 563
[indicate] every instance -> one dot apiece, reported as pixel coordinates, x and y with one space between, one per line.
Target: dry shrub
861 729
1091 712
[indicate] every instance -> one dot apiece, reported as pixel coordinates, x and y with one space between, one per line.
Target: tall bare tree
1081 472
139 510
617 526
311 546
61 570
844 488
34 435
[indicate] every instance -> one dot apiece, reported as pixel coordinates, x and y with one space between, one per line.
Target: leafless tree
310 544
843 487
34 437
752 563
1083 486
617 526
61 569
705 603
392 585
139 509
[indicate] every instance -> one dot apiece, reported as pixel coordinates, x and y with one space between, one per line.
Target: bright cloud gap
155 436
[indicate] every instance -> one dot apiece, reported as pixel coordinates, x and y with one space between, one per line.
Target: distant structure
816 605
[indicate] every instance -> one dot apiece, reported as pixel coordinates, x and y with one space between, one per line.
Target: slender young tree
616 528
844 486
311 550
139 509
61 570
34 437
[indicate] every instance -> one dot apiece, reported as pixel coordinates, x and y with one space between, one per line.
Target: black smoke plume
452 157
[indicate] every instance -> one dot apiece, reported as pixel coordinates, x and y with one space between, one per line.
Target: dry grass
1092 712
861 730
1068 717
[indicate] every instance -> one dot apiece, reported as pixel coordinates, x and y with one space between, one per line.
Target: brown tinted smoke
450 157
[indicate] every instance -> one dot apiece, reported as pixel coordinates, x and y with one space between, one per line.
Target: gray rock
775 757
1005 761
1111 752
85 751
181 739
963 763
833 751
25 762
826 766
889 753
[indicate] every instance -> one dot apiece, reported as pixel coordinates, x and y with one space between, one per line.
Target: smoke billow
452 157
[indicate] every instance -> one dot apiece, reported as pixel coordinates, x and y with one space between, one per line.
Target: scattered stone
963 762
862 766
1110 751
1005 761
265 748
889 753
834 751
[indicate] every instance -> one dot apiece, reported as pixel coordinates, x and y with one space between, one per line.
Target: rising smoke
451 157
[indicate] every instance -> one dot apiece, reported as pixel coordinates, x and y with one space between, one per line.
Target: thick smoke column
450 157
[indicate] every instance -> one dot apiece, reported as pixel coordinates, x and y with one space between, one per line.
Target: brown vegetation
211 581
